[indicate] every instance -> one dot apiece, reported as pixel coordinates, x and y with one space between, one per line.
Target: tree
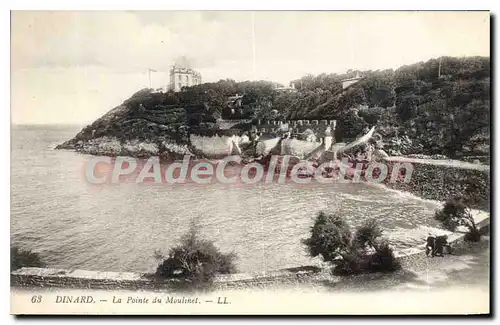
384 260
468 221
451 214
455 213
330 237
364 251
195 259
367 234
24 258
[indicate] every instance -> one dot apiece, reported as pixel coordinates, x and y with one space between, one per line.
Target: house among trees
289 89
234 102
351 81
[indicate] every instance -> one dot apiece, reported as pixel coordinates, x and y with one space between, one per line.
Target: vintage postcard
250 162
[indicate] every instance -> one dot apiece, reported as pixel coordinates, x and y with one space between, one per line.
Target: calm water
117 228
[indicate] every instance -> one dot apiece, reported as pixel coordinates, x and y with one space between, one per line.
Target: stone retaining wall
42 277
442 180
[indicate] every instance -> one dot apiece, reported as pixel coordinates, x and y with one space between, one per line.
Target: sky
71 67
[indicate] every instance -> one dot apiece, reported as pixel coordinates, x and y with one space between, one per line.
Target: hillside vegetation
415 110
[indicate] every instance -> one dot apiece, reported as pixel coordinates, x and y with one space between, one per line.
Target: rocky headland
417 113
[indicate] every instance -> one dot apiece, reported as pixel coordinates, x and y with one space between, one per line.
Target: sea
121 227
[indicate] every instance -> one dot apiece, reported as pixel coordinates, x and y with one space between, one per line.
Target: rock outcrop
142 126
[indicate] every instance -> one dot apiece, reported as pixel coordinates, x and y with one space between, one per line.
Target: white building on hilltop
183 77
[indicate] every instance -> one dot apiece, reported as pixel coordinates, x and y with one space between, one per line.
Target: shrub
473 235
23 258
330 237
352 262
364 251
455 213
367 234
375 251
384 260
195 259
451 214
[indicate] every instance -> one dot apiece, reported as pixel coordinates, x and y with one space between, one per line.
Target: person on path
440 243
430 245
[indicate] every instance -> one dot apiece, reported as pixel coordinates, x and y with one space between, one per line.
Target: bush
473 235
376 253
455 213
351 263
367 234
451 214
330 237
384 260
364 251
23 258
195 259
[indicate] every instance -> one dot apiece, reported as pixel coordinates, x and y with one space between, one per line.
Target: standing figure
369 149
232 142
430 245
244 138
328 138
440 243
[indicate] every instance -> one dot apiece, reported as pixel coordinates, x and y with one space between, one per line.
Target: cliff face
141 126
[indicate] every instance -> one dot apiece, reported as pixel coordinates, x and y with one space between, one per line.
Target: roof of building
354 78
284 88
357 77
176 69
235 97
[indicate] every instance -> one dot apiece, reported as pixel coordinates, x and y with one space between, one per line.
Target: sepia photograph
250 162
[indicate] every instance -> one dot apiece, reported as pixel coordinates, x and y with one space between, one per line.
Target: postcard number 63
36 299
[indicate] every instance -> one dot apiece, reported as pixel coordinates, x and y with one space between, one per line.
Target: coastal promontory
436 107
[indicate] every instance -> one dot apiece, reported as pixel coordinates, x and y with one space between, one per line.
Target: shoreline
268 277
309 275
47 277
435 179
300 274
